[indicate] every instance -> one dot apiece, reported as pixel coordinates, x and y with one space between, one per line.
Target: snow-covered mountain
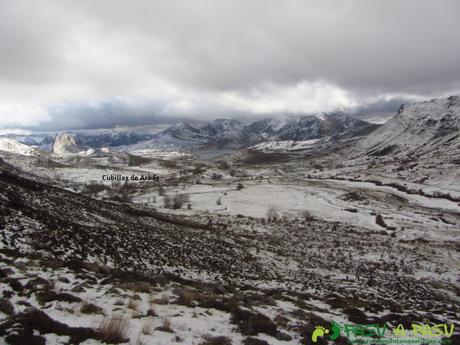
301 127
111 138
418 128
14 146
218 133
229 132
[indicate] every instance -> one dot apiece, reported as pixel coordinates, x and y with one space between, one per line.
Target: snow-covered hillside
419 128
13 146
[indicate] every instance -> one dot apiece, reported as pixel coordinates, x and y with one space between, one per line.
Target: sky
98 64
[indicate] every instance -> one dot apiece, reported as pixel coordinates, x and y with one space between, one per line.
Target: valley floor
224 252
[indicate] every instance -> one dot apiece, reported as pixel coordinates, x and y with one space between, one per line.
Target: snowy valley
293 222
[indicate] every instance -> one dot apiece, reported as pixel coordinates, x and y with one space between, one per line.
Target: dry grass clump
119 301
114 328
163 300
165 326
133 304
147 327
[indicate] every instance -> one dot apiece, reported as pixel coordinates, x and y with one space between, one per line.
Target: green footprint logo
335 331
319 331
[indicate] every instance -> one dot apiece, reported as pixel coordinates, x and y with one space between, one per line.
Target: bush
89 308
219 340
379 221
239 186
254 341
93 188
253 323
6 307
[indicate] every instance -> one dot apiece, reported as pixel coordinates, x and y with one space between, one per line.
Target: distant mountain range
222 133
219 133
430 126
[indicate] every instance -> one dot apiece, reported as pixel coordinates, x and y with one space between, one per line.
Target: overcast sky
88 64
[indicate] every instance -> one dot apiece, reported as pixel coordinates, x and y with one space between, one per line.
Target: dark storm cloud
202 58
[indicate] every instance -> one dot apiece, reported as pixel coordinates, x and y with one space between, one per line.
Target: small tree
239 186
219 201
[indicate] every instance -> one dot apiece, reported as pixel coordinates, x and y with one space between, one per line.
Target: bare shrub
179 200
114 329
167 202
216 176
272 214
307 216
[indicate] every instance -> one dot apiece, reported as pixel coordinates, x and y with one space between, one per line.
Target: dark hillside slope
37 217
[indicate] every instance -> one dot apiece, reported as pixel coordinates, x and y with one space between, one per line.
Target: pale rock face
65 144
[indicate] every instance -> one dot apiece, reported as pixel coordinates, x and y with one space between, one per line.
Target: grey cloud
67 55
